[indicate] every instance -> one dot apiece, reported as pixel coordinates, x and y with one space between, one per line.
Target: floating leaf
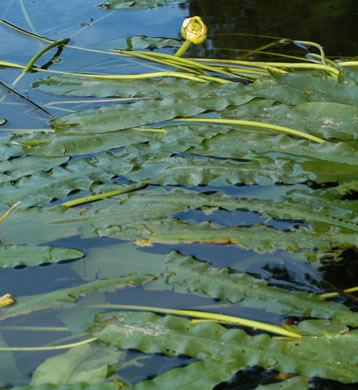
62 144
322 356
140 42
258 237
89 364
325 119
23 255
200 375
141 88
195 277
16 168
192 171
42 187
320 88
125 116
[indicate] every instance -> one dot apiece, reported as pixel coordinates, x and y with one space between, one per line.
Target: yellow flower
194 30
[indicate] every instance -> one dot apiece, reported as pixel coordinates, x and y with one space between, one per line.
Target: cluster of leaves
148 149
166 166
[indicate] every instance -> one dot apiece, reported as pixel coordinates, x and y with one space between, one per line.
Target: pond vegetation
169 169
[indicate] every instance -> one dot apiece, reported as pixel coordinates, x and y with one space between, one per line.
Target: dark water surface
233 26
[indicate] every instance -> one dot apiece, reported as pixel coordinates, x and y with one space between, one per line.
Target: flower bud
194 30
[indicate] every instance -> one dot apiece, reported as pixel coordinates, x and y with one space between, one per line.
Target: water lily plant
193 30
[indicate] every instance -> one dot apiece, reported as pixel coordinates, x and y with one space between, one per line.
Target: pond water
235 27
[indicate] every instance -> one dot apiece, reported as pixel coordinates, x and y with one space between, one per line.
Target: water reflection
331 23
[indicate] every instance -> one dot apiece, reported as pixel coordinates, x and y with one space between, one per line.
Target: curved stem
183 48
49 348
255 124
9 211
334 294
317 46
105 195
38 55
113 76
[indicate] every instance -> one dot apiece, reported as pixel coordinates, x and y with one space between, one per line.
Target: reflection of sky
60 19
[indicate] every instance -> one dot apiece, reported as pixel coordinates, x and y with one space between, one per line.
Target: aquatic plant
180 140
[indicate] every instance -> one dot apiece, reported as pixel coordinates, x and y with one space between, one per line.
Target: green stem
183 48
255 124
184 61
222 318
105 195
50 348
334 294
113 76
317 46
38 55
9 211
